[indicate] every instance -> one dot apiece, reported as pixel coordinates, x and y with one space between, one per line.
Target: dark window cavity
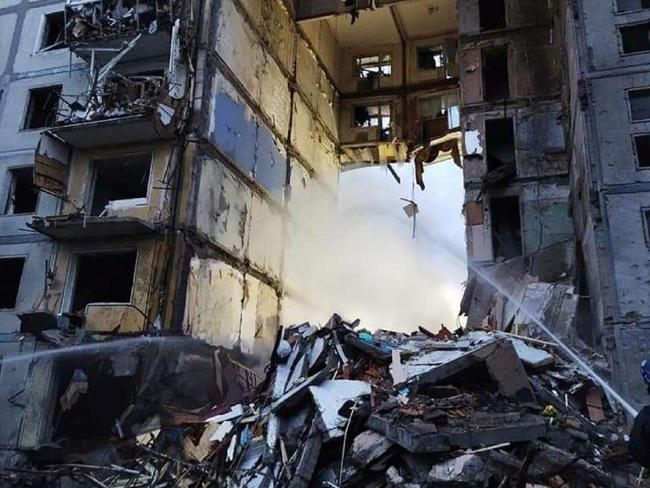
42 107
11 270
646 218
500 143
430 58
635 38
506 227
495 74
639 104
629 5
23 195
123 178
377 115
642 146
492 14
104 278
53 35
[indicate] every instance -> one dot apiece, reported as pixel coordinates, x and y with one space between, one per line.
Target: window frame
618 11
28 106
379 116
20 281
10 188
437 47
358 67
636 152
70 286
92 174
44 32
619 35
631 119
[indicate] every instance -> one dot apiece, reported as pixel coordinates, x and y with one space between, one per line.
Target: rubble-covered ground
342 407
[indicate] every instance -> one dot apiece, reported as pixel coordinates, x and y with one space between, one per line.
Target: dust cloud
357 256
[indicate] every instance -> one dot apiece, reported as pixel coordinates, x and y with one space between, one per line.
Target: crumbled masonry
343 407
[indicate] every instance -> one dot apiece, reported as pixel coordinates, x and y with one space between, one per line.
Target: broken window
646 217
500 143
628 5
495 74
376 115
123 178
506 227
635 38
639 104
53 33
42 107
430 57
23 195
642 146
11 270
103 278
492 14
368 67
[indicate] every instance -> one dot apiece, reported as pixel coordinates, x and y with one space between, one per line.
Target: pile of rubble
340 406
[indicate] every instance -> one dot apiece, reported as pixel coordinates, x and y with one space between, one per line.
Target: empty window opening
500 143
378 115
628 5
640 104
646 218
11 270
642 146
495 74
635 38
123 178
103 278
506 227
53 33
492 14
430 58
23 195
369 67
42 107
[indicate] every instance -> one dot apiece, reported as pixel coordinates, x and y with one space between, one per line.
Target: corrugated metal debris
340 406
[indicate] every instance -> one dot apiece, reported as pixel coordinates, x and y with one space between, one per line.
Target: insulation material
303 136
111 317
259 318
215 292
274 97
265 240
51 163
224 215
307 73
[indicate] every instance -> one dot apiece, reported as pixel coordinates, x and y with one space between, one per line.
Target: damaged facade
157 156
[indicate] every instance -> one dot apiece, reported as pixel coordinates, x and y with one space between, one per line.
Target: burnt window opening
378 115
42 107
123 178
635 38
369 67
642 146
629 5
11 270
506 227
54 31
495 74
430 57
103 278
23 195
639 104
499 143
492 14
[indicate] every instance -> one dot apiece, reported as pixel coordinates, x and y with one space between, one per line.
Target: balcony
99 27
83 227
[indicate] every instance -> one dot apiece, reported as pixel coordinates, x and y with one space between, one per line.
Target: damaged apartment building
158 156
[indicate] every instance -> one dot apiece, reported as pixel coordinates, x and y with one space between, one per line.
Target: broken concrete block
369 446
330 396
468 468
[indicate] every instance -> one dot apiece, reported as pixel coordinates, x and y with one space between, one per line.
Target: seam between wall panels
260 39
